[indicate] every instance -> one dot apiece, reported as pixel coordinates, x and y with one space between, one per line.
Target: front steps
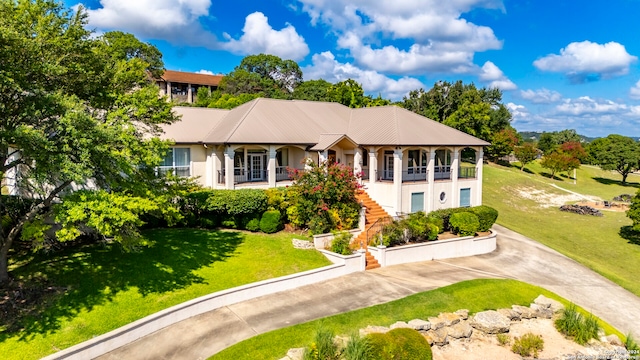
373 213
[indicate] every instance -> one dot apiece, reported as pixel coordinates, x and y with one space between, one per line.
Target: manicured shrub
358 348
435 222
527 345
241 202
393 234
399 344
417 225
270 222
487 216
340 243
229 223
464 223
253 224
444 215
208 222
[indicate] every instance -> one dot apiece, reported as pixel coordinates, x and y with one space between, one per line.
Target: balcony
415 174
467 173
442 173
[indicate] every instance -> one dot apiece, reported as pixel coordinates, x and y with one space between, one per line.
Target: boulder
400 324
463 313
444 319
437 337
510 314
525 312
554 305
418 324
373 329
613 340
460 330
295 354
490 322
541 311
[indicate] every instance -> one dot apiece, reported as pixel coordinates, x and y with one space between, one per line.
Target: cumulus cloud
541 96
172 20
205 72
259 37
634 92
442 40
492 75
518 111
586 106
325 66
588 61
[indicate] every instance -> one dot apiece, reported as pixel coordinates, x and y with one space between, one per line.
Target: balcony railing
412 174
365 173
442 173
384 175
467 173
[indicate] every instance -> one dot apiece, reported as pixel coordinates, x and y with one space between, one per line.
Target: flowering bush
324 198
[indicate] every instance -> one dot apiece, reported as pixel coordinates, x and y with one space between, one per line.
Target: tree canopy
616 152
77 111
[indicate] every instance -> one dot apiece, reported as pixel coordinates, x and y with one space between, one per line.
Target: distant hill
535 136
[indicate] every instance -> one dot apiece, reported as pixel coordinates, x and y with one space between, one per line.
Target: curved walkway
517 257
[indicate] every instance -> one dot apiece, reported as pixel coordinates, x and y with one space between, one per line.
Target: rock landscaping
457 335
581 210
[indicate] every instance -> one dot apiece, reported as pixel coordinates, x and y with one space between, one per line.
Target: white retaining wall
434 250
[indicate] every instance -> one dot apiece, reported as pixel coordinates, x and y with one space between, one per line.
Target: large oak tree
76 111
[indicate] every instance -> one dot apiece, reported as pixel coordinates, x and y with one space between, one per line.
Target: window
365 157
417 202
443 197
282 157
465 197
177 160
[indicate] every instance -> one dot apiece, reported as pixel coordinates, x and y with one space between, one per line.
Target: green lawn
104 288
475 295
593 241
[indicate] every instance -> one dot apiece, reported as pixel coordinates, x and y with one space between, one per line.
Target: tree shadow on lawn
627 233
94 274
606 181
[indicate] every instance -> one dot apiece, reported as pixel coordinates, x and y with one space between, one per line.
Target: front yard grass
595 242
99 288
474 295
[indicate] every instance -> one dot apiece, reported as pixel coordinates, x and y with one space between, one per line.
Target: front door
388 167
256 170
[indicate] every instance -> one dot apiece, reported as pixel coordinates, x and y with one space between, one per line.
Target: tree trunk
4 262
624 178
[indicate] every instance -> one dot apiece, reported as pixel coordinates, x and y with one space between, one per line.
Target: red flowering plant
323 198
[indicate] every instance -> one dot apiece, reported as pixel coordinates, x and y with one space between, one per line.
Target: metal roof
328 140
191 78
274 121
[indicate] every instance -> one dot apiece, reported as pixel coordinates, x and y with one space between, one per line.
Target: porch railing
466 173
442 173
365 173
241 176
375 229
417 173
384 175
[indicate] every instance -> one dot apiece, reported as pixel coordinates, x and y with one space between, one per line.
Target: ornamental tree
558 161
526 154
77 111
323 198
616 152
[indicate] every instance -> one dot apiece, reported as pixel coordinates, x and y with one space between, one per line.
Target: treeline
475 111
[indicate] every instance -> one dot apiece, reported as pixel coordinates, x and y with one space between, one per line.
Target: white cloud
206 72
491 74
259 37
518 111
588 61
172 20
634 92
325 66
586 106
442 40
541 96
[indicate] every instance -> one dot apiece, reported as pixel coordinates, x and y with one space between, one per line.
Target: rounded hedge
487 216
464 223
270 222
399 344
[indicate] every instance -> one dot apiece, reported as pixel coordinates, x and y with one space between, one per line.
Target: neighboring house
182 86
407 162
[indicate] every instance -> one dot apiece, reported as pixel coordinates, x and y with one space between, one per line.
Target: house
407 162
182 86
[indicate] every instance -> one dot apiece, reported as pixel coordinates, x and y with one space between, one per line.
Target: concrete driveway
517 257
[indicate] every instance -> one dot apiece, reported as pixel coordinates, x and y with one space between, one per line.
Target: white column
189 94
397 178
357 161
306 160
11 175
209 178
228 169
271 172
373 164
431 171
455 192
169 91
479 156
215 166
322 156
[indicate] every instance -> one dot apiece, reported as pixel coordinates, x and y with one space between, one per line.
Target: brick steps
373 213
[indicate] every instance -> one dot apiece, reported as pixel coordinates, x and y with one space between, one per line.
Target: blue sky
560 64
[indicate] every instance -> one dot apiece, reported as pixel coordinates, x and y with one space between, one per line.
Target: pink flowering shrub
323 198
